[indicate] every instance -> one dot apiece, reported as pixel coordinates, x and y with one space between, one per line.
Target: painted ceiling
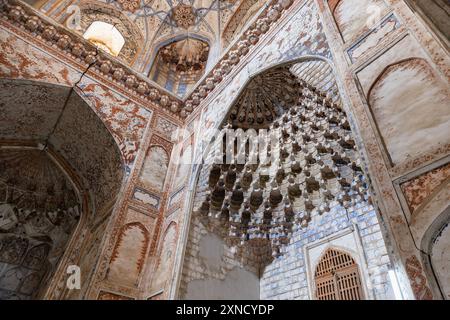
160 18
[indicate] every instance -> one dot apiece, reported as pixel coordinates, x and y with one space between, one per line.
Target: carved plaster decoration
265 99
247 9
81 50
41 186
186 55
312 167
238 51
84 52
39 209
183 16
95 11
179 65
130 5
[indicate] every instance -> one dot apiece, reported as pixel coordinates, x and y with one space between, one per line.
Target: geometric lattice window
337 277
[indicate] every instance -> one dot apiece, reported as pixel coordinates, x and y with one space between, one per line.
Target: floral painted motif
418 280
130 5
419 189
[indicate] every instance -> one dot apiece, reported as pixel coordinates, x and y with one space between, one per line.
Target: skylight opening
105 36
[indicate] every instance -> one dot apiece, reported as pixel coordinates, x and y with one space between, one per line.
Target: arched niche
51 125
40 207
105 36
430 228
92 10
429 211
166 258
129 254
154 171
409 103
180 63
282 78
337 277
354 17
274 98
440 257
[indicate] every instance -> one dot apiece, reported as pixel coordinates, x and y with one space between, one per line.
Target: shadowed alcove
57 188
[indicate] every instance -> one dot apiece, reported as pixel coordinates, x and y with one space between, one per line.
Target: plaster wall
440 259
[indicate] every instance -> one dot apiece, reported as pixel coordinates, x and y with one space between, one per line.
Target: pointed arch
337 277
128 257
153 174
354 17
166 257
412 118
92 10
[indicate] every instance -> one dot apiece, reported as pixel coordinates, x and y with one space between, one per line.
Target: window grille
337 277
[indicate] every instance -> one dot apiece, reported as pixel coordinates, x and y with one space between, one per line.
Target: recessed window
337 277
105 36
